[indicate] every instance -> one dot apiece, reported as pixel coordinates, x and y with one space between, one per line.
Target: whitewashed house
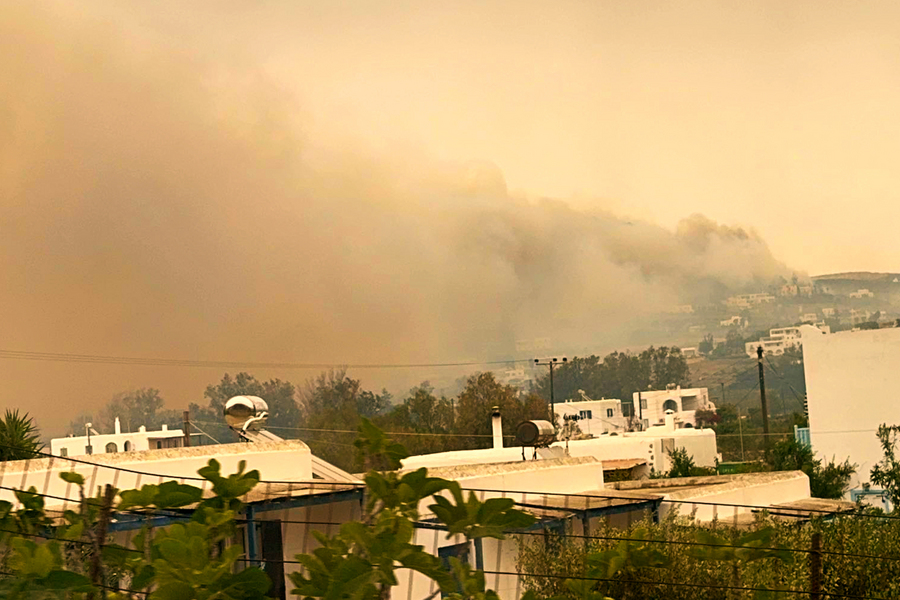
651 406
110 443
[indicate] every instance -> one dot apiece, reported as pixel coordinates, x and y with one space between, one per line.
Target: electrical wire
177 362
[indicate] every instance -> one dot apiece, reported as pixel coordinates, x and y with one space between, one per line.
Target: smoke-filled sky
351 182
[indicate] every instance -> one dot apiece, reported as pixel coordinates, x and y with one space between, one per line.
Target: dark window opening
460 551
272 552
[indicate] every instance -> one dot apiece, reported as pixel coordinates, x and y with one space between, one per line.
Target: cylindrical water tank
535 433
240 409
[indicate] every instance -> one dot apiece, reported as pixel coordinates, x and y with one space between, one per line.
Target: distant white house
690 352
809 318
651 406
828 311
862 293
683 309
749 300
520 378
110 443
793 289
781 339
735 321
595 417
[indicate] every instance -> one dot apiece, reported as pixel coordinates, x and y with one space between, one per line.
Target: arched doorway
670 405
111 448
127 446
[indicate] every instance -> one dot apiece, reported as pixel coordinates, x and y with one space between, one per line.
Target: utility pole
640 412
762 393
551 362
186 417
722 383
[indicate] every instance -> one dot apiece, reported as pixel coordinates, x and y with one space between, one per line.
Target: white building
782 339
595 417
651 406
519 378
851 384
110 443
862 293
301 494
649 449
749 300
735 321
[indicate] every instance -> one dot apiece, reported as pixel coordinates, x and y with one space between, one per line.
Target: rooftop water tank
243 410
535 433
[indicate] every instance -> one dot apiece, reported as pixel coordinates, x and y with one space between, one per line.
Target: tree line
326 410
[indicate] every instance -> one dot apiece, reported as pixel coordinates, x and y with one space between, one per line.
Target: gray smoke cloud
158 204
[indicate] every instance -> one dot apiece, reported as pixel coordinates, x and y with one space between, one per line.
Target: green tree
424 413
886 473
707 344
332 405
828 481
134 409
360 562
19 436
476 402
280 396
184 561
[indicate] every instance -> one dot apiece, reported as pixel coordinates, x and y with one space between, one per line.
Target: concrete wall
601 421
700 443
851 379
136 441
276 461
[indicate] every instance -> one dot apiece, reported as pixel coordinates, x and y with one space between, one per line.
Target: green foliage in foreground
361 561
43 556
654 557
72 558
19 436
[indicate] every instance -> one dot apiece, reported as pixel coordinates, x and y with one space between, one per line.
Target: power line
177 362
354 431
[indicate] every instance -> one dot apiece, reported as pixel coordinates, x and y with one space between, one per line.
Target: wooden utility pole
186 418
762 393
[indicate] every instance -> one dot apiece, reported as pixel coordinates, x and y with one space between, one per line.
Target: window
643 403
272 552
460 551
585 414
63 451
609 412
111 448
670 405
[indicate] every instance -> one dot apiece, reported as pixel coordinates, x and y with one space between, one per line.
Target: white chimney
165 427
118 426
670 420
497 426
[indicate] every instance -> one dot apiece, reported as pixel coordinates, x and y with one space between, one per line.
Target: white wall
276 461
600 420
851 383
138 440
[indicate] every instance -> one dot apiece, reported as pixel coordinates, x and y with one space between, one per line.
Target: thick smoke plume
158 205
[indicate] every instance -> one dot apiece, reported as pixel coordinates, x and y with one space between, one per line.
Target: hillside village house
782 339
300 493
652 406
